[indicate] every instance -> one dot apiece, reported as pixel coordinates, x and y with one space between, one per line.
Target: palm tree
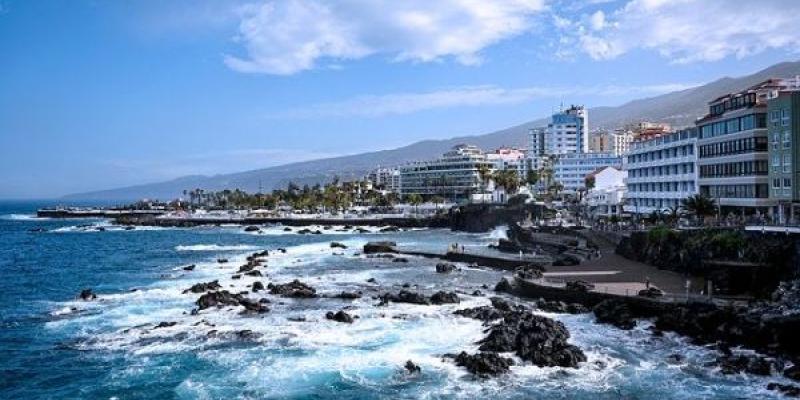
415 200
485 175
699 205
437 200
673 214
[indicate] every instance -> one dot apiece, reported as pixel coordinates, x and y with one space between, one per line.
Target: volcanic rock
339 316
204 287
295 289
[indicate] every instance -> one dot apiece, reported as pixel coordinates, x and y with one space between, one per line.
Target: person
647 283
462 249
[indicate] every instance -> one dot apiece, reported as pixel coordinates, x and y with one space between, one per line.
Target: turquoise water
53 346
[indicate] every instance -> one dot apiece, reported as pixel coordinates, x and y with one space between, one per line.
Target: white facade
454 176
661 172
506 158
621 142
386 178
570 170
608 195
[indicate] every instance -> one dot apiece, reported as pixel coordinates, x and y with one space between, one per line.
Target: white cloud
287 36
406 103
686 31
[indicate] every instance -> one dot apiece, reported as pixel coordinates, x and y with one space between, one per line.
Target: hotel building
661 171
783 128
571 169
732 151
454 176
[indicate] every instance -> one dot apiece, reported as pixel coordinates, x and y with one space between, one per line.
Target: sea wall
738 261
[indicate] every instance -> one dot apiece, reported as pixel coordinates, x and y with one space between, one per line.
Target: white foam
214 247
23 217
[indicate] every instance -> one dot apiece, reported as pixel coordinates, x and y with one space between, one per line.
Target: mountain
679 108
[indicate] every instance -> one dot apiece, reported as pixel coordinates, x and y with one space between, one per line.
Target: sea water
55 346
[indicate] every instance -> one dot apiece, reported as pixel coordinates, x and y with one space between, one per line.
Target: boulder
295 289
380 247
390 229
87 295
252 228
504 286
444 268
339 316
412 368
484 364
251 306
304 231
786 390
614 312
400 260
254 273
580 286
404 296
566 260
751 364
651 292
442 297
793 372
348 295
204 287
222 260
218 299
165 325
189 267
483 313
335 245
258 286
561 307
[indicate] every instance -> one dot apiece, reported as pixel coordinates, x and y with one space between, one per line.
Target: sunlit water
53 346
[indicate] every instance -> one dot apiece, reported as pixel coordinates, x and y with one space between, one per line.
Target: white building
607 197
567 133
570 170
661 171
508 158
617 142
386 179
454 176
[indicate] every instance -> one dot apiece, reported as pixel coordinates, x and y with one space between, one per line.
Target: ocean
54 346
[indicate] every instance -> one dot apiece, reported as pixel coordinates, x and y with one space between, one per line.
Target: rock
339 316
444 268
380 247
566 260
282 250
786 390
560 307
189 267
580 286
412 368
218 299
251 306
247 267
254 273
37 230
483 313
676 359
348 295
390 229
204 287
335 245
484 364
165 325
295 289
372 280
651 292
287 229
751 364
317 232
237 276
504 286
529 272
400 260
793 372
477 293
304 231
129 228
442 297
534 338
87 295
614 312
252 228
258 286
404 296
222 260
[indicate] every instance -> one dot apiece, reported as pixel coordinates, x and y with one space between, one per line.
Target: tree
532 177
415 200
673 214
699 205
437 200
589 182
485 175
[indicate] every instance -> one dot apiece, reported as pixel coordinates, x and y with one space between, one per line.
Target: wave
23 217
214 247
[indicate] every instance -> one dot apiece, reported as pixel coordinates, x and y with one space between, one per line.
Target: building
607 196
661 171
536 148
386 179
733 154
508 158
570 170
783 128
648 130
454 176
617 142
568 132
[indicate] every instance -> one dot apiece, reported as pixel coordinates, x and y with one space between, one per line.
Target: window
787 140
787 183
787 163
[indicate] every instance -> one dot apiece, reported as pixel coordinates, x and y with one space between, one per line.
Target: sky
98 94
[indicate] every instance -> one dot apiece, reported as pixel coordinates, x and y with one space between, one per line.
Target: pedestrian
647 283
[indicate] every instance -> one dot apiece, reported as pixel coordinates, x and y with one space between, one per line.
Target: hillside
679 108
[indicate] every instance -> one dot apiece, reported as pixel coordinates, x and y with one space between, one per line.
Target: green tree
700 206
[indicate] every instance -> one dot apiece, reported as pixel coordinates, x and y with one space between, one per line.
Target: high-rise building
661 171
732 149
568 132
783 128
617 142
386 179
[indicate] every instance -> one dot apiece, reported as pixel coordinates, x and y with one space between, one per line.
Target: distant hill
679 108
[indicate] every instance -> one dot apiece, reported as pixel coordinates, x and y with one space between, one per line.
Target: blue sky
101 94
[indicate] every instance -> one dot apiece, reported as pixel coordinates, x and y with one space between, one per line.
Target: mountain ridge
679 108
